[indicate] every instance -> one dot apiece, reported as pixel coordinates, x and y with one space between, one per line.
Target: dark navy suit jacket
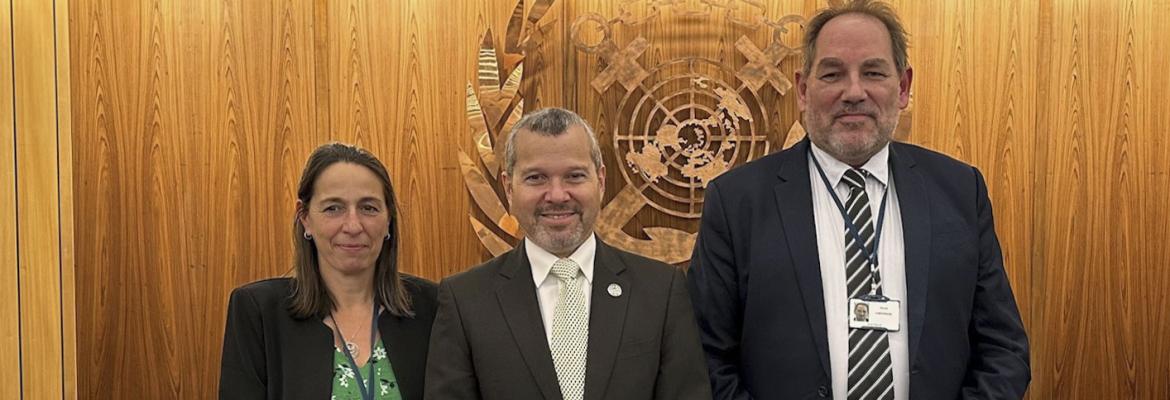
755 283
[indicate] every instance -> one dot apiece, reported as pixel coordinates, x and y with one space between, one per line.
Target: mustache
558 208
863 110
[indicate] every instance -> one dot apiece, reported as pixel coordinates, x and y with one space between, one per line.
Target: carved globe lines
683 126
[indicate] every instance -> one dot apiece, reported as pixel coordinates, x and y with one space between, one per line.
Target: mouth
557 217
850 118
351 247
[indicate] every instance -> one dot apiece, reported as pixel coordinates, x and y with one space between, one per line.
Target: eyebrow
833 62
574 168
875 62
830 63
341 200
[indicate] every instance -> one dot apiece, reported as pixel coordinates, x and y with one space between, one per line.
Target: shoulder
941 174
931 161
645 267
485 272
423 293
418 287
263 297
759 169
272 290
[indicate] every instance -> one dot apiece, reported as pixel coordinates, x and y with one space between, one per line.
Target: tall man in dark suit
790 244
563 316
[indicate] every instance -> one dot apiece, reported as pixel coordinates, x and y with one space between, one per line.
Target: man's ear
601 181
801 90
904 88
507 181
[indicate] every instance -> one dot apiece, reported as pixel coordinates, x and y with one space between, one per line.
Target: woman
347 325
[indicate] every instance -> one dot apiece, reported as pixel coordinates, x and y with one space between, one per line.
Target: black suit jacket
489 340
756 284
268 354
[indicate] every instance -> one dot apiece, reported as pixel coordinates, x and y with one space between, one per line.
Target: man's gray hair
550 121
881 11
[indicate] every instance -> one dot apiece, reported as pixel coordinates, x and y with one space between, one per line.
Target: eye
578 177
370 209
876 74
830 76
332 209
534 179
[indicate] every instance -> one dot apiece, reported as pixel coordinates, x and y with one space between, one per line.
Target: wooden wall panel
67 250
192 121
38 216
1148 325
1099 326
9 276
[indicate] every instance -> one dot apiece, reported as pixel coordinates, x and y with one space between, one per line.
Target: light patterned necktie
570 330
870 373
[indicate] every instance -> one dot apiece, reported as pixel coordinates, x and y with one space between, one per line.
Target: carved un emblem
674 125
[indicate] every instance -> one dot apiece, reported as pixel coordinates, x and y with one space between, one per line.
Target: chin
354 267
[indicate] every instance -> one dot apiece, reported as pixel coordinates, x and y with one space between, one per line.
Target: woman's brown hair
310 297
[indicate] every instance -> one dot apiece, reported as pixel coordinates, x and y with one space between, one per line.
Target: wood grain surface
9 275
191 122
38 196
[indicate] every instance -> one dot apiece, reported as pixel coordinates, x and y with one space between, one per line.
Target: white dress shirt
548 286
830 227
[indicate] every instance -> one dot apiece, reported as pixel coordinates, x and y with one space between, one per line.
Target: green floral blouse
345 384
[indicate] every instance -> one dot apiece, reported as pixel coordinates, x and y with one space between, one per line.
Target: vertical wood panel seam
65 223
16 200
60 239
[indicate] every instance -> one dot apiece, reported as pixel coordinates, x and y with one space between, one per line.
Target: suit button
823 392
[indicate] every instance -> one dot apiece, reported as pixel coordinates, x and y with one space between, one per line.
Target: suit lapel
518 302
607 316
398 330
915 206
316 358
794 200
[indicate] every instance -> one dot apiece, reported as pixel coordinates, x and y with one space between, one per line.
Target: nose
352 224
557 192
854 93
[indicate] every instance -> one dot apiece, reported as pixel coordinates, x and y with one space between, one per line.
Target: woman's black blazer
268 354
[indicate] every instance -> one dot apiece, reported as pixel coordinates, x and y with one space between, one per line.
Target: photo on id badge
874 312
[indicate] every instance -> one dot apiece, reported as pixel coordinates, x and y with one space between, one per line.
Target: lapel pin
614 290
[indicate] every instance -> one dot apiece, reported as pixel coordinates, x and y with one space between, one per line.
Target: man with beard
792 242
563 315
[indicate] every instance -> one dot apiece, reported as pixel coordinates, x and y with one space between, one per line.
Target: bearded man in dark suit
563 315
789 244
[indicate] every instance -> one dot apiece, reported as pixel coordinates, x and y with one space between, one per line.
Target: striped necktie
871 375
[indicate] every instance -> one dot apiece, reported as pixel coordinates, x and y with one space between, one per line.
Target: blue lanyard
367 391
853 230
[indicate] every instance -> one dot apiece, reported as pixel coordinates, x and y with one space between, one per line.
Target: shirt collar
542 261
878 166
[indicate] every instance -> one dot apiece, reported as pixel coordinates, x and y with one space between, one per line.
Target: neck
350 291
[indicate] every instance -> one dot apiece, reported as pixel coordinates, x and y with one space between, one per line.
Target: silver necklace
351 346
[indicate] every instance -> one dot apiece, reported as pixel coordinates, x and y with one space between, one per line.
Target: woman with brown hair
347 325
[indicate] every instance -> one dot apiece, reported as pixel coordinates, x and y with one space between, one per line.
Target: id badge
875 312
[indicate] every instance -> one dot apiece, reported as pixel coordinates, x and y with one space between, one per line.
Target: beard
851 142
565 240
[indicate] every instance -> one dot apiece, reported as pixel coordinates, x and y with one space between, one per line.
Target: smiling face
853 93
554 189
347 219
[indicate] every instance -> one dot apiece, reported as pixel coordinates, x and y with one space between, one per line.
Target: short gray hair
881 11
550 121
